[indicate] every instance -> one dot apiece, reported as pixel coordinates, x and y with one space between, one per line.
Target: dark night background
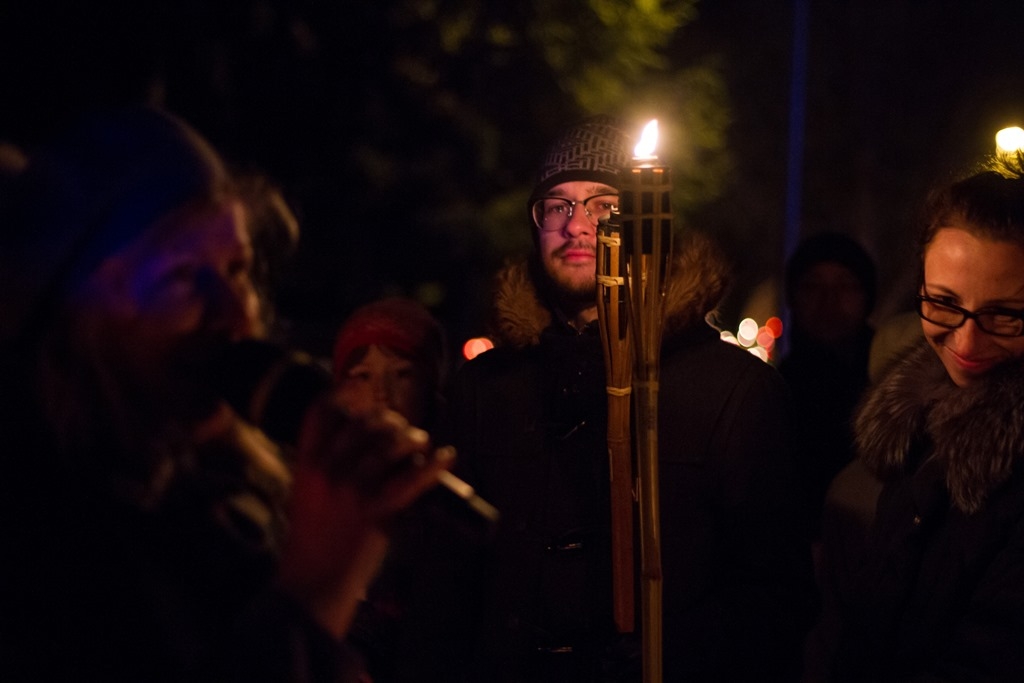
405 133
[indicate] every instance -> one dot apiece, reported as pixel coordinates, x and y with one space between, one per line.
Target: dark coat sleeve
738 588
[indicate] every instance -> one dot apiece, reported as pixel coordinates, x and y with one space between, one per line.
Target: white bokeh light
746 334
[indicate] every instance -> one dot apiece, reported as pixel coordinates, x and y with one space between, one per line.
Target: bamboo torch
646 215
612 306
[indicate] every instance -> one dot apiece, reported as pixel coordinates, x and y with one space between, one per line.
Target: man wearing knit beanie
529 419
575 189
147 518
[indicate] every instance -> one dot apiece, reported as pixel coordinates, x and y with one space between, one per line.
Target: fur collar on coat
698 278
978 431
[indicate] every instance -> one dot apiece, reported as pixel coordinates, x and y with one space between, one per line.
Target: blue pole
797 106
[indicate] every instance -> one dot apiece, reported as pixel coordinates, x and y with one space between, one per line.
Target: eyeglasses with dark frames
1000 322
551 214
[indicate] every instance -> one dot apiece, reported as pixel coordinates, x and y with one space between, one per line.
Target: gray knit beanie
86 195
595 150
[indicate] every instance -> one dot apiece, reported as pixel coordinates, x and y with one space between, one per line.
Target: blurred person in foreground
151 534
530 417
830 291
940 593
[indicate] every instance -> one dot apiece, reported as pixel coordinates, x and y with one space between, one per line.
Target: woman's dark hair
989 201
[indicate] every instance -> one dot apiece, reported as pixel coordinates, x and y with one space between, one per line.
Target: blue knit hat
86 195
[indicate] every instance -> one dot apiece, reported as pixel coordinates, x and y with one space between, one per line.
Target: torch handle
647 234
612 307
646 396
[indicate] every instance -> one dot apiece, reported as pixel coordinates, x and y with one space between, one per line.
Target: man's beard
572 295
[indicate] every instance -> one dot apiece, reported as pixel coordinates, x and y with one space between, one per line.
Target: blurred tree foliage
449 105
406 133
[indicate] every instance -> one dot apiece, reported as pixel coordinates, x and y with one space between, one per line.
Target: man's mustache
576 245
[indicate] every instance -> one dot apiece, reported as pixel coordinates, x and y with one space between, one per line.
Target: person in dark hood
830 290
529 419
938 596
152 533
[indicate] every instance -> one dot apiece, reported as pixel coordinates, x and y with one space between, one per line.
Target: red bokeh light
475 346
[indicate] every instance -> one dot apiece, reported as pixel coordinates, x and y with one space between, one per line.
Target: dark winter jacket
530 426
826 384
941 594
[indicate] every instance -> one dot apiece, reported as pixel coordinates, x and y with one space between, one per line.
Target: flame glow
648 141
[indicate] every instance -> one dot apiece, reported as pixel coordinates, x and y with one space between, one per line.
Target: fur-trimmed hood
977 431
697 281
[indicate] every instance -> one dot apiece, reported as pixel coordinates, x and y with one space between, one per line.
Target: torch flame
648 141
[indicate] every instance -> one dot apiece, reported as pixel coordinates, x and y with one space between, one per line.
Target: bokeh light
746 334
474 347
1010 139
760 340
765 338
760 352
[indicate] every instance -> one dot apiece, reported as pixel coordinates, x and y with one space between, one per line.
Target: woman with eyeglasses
940 594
